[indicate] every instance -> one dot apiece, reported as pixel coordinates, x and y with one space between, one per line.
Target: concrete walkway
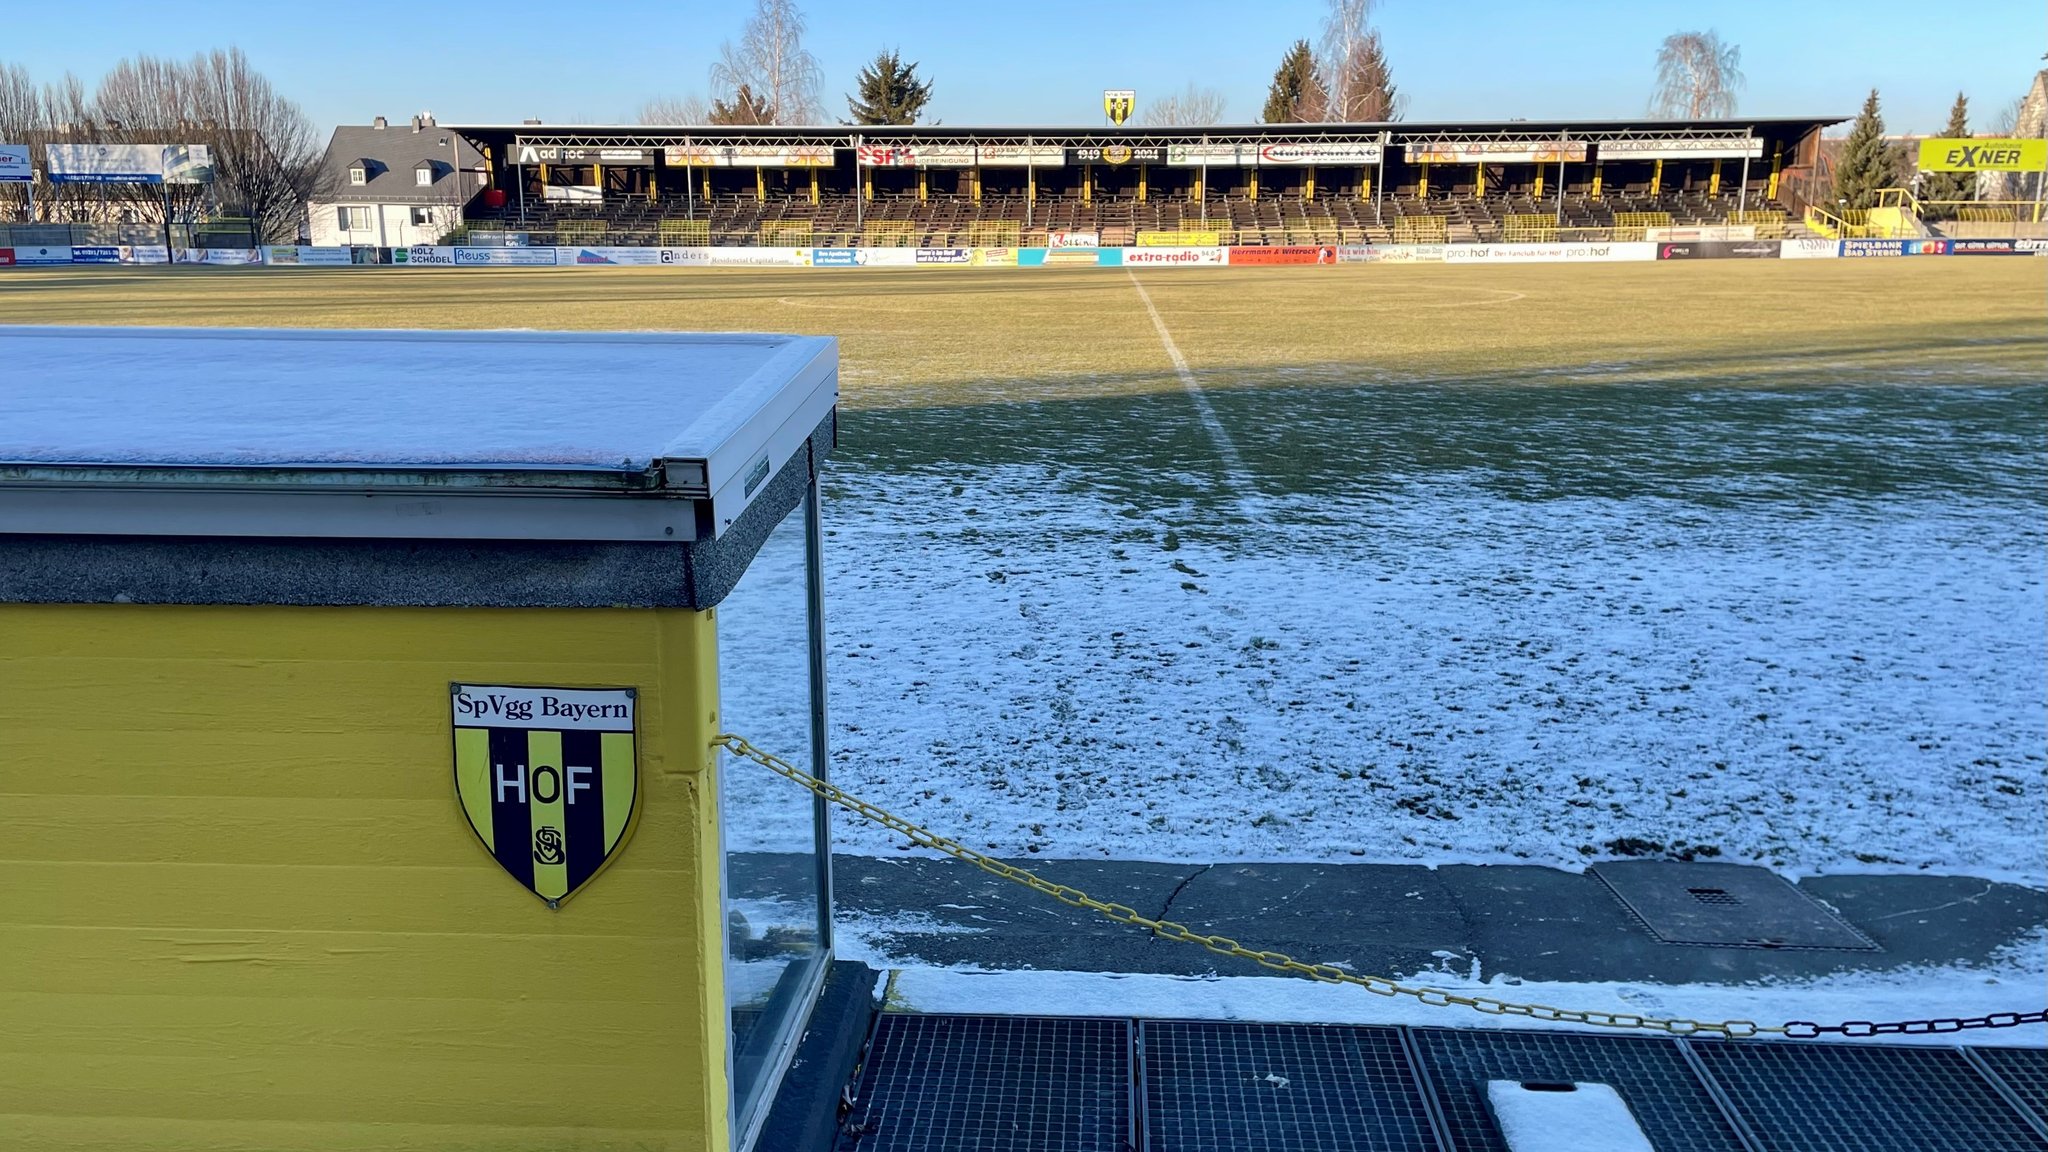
1526 922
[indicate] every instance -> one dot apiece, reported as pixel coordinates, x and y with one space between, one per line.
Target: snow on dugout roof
396 401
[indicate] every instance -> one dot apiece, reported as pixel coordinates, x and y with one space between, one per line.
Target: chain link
1330 974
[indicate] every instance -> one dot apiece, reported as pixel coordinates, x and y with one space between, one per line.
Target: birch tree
1192 107
1697 77
771 64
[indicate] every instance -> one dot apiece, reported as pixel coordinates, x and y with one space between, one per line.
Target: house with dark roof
392 186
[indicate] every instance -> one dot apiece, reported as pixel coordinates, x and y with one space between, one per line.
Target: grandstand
1259 184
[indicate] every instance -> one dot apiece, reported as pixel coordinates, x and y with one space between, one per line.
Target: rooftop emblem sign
547 778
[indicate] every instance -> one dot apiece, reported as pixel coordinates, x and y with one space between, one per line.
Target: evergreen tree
1298 93
745 109
889 92
1951 185
1867 164
1371 90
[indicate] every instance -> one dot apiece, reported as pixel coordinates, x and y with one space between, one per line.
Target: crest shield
548 779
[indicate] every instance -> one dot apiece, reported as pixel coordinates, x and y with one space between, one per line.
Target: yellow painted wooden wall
240 907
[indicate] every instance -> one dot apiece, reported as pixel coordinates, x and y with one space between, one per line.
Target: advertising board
1361 153
1983 154
1868 248
1153 257
747 156
1282 254
1548 253
1495 152
995 257
220 255
759 257
1702 232
834 258
618 257
1073 240
1196 155
129 163
43 254
1718 250
1115 154
95 254
944 256
1994 247
14 164
502 257
307 256
1681 148
1392 253
1809 248
6 257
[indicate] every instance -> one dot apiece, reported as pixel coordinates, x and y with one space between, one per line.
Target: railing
230 233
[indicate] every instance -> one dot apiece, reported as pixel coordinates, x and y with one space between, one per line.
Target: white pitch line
1248 499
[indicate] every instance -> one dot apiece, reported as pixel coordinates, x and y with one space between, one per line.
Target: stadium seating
903 220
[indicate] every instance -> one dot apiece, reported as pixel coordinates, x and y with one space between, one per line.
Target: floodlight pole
1030 177
689 178
1379 186
860 207
1563 138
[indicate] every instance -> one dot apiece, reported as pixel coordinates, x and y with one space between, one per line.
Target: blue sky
1454 59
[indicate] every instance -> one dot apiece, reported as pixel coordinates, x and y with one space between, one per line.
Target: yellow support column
653 183
1308 186
1480 181
1539 182
1657 176
814 185
1596 181
1365 189
1088 184
923 189
1195 189
1422 186
1777 159
974 183
1255 184
1714 181
867 183
1031 185
597 177
760 183
1141 183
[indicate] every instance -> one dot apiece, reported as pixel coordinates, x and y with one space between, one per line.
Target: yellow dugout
357 704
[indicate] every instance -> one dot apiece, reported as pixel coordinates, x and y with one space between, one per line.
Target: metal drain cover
1726 906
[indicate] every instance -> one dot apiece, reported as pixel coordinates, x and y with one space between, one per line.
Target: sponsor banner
425 254
220 255
683 257
573 193
944 256
1494 152
633 257
14 164
1060 257
747 156
1809 248
1319 154
1860 248
995 257
834 258
1983 154
759 257
1282 254
95 254
1110 257
1392 253
1718 250
1681 148
1073 239
555 154
2032 244
886 156
1988 248
1546 253
1159 257
1195 155
1021 156
43 254
145 254
130 164
1702 232
307 256
6 257
1115 154
499 257
886 257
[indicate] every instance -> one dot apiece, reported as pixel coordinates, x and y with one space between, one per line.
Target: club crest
547 778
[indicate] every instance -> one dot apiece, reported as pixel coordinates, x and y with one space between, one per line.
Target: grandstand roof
843 135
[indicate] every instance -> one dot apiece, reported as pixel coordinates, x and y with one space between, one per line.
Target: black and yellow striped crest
547 778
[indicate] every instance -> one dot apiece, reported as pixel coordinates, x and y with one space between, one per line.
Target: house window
354 219
358 175
422 217
423 175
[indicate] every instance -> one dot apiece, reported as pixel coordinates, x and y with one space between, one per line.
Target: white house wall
391 225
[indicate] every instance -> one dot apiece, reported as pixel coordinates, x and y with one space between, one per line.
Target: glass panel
774 897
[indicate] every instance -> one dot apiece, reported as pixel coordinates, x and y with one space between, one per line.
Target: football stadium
1520 635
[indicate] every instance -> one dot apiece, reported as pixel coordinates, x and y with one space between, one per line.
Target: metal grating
1280 1088
1651 1075
1726 906
1865 1098
2024 1070
993 1084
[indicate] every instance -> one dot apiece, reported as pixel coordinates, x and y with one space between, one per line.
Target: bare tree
2006 121
1697 77
771 64
264 147
1192 107
674 110
22 121
1348 45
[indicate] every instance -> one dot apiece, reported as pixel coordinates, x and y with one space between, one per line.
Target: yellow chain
1224 945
